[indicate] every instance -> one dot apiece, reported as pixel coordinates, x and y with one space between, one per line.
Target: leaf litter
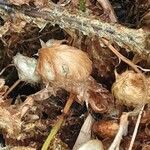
71 82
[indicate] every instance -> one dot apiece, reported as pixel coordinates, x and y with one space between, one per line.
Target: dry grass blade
106 42
136 128
122 131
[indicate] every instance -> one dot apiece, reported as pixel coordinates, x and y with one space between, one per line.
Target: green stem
82 5
53 133
58 124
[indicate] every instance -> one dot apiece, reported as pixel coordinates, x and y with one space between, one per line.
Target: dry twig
108 8
134 40
136 128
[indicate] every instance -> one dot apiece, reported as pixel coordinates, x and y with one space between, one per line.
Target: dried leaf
10 121
106 129
17 25
103 59
100 99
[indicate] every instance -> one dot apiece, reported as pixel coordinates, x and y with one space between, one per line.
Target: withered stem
12 88
123 127
136 128
124 59
69 103
133 39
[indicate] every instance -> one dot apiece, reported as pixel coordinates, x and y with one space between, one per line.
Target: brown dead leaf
10 121
103 60
100 99
106 129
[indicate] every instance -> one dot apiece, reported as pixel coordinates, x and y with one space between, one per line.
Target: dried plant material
10 121
39 97
26 68
129 89
108 9
99 98
123 126
146 147
85 87
145 21
106 129
17 25
17 124
92 144
4 28
132 39
57 143
41 3
3 87
69 68
11 88
103 59
36 2
22 148
136 127
19 2
145 116
59 123
40 22
26 71
121 57
63 65
85 132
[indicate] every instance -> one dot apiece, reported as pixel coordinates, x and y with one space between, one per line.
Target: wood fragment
132 39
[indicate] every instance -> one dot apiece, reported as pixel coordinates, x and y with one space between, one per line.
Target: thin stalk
53 133
59 123
12 87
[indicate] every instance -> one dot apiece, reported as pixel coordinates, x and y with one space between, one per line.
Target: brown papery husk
62 64
129 89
